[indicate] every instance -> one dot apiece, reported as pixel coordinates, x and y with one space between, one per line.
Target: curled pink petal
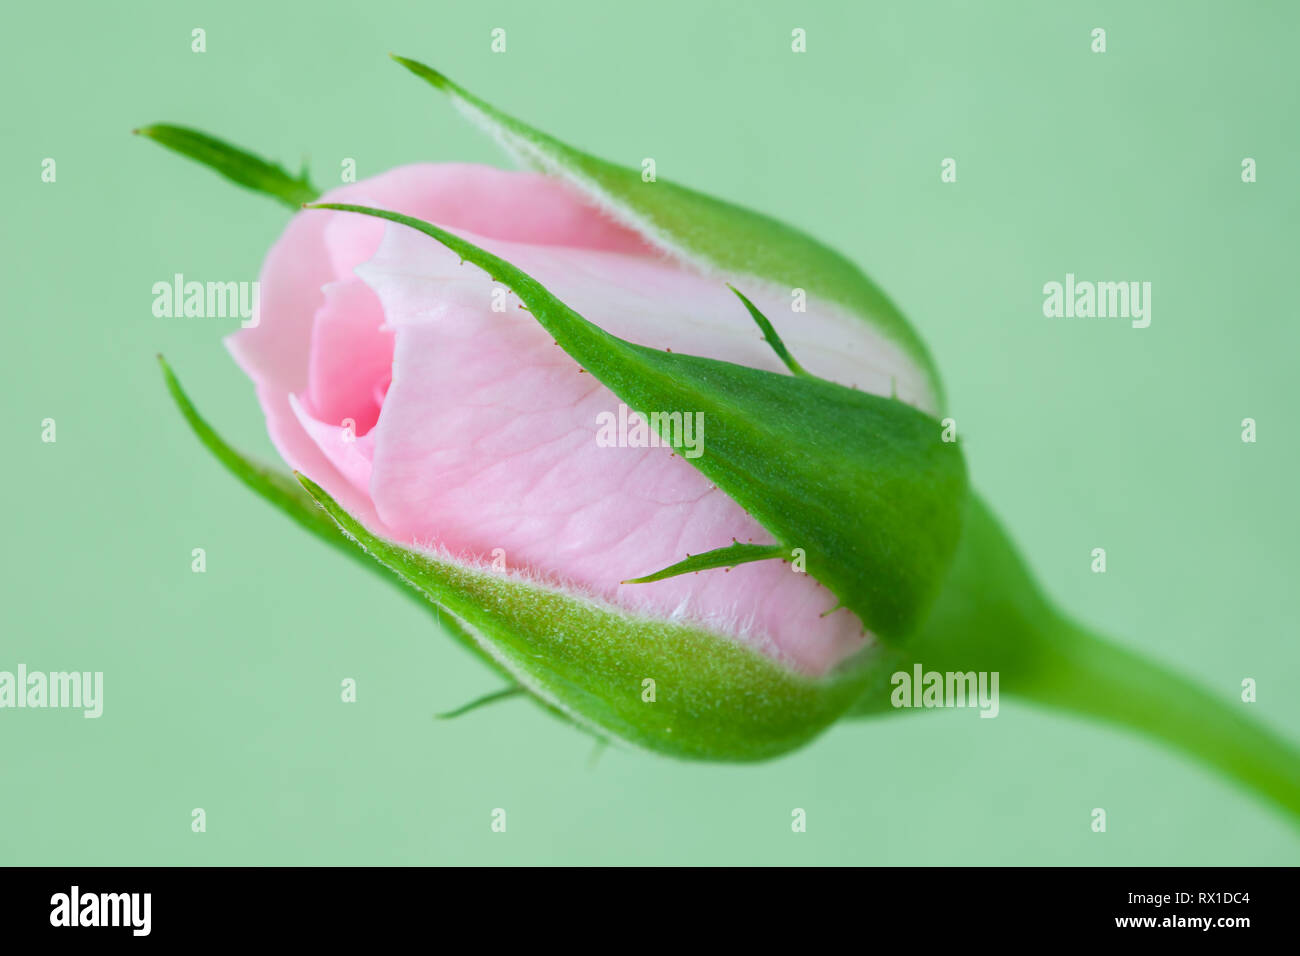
419 394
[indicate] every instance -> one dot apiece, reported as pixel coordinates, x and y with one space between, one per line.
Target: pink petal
350 454
351 354
318 248
487 436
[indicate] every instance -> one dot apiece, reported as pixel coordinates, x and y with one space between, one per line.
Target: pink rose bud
781 532
420 396
539 400
448 355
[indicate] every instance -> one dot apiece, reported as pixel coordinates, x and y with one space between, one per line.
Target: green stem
991 616
1093 677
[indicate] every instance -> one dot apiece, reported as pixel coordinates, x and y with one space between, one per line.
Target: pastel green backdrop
222 689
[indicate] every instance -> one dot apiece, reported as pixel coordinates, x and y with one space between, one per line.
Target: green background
222 689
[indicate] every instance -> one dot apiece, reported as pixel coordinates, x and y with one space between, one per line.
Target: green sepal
770 335
504 693
237 165
864 484
286 494
728 557
715 698
714 235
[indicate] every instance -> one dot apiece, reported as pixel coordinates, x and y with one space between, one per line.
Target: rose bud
673 468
